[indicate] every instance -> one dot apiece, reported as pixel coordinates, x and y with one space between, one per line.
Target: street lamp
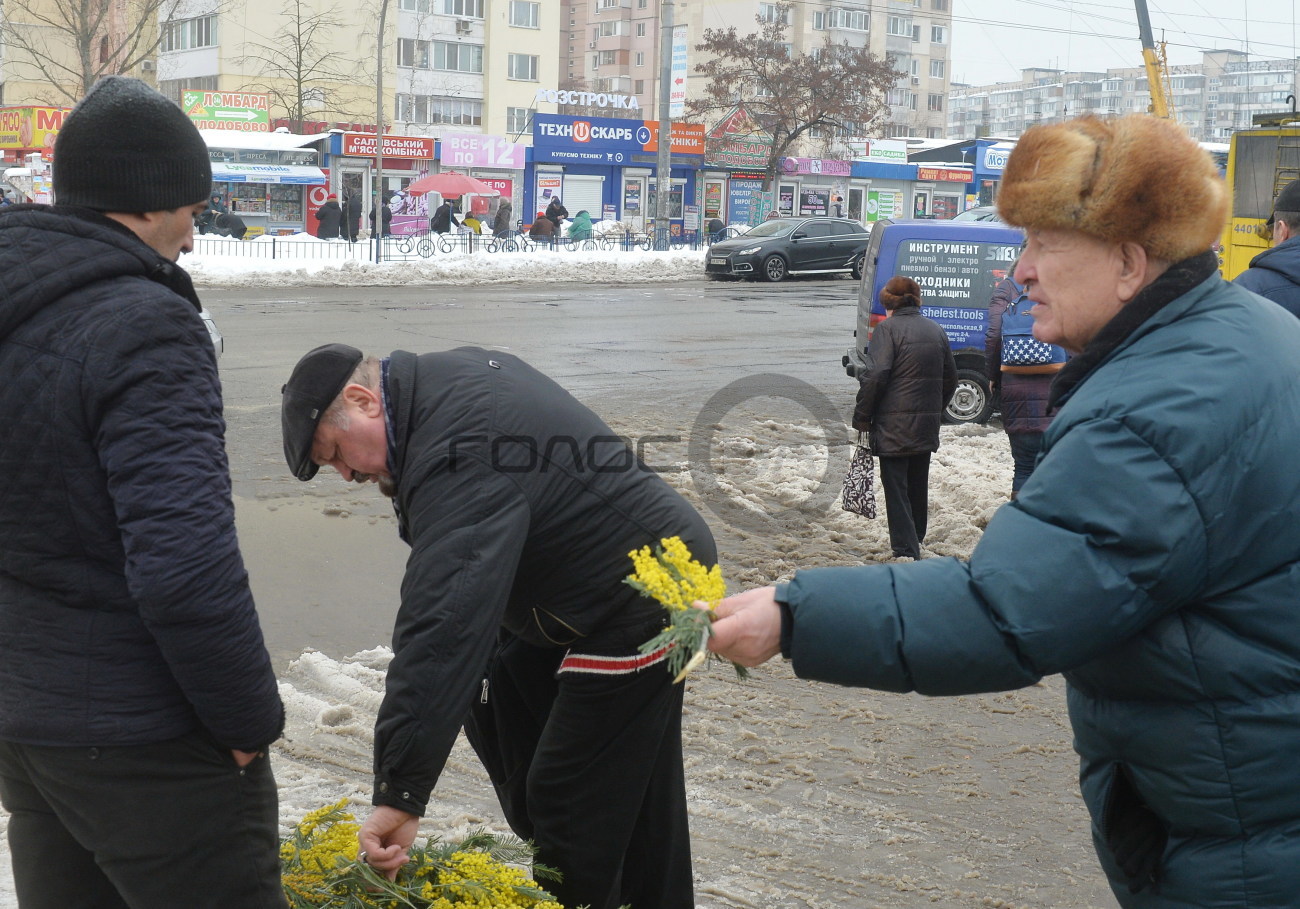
377 212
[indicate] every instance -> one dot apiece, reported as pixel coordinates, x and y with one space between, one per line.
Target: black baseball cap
316 381
1288 200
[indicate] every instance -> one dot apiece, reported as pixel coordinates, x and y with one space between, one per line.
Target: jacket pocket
1134 834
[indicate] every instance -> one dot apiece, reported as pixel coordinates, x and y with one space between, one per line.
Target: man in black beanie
137 698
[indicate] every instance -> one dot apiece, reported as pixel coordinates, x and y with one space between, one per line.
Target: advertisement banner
248 112
881 205
30 127
677 92
879 151
472 150
362 145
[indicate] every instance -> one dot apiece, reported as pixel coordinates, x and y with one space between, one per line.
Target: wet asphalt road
324 558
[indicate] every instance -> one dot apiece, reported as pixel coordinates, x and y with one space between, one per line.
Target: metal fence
414 247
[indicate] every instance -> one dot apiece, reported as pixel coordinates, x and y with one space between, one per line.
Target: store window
422 7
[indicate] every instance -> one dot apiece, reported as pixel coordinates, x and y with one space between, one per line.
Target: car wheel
774 268
972 402
856 266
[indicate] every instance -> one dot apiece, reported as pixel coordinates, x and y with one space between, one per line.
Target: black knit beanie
126 148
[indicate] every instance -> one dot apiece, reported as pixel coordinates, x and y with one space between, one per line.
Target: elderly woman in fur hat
1153 557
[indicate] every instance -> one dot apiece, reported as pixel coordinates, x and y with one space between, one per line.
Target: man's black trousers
589 767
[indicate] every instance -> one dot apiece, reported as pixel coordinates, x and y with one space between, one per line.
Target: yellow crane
1157 66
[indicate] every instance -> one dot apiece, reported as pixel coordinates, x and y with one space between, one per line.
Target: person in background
472 222
1153 557
909 378
352 208
329 218
1022 390
229 224
580 228
502 222
715 229
514 610
386 215
137 699
543 229
1275 273
556 212
443 219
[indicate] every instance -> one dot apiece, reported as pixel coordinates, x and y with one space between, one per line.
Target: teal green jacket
1153 558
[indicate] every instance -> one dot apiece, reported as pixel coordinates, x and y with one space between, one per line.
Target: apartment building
614 46
1212 99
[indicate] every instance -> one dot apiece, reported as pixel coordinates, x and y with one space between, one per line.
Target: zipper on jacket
483 696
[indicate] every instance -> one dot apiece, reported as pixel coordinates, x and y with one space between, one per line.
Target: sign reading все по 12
248 112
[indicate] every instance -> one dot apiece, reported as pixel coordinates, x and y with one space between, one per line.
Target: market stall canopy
450 185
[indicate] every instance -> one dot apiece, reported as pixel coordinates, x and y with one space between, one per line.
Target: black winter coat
442 219
520 506
502 223
125 611
910 377
330 217
556 212
352 216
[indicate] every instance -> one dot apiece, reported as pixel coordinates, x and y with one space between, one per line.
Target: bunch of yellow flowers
319 868
671 575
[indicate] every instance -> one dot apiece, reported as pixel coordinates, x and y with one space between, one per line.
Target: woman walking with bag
910 377
1020 370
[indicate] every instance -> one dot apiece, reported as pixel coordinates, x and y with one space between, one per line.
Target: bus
1261 161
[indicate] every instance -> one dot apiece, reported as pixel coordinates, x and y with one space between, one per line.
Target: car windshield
775 228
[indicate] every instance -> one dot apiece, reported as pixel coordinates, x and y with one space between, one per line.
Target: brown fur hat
1135 178
900 291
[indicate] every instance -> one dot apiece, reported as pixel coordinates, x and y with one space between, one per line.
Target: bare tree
65 46
297 64
835 90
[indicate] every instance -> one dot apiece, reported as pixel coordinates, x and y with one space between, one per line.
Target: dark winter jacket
386 214
502 222
1275 274
442 219
910 377
1153 557
520 506
352 208
330 217
556 212
1022 396
229 224
125 611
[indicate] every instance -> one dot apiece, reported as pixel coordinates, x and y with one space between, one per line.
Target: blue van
957 264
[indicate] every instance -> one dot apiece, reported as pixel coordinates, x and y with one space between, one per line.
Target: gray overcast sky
994 39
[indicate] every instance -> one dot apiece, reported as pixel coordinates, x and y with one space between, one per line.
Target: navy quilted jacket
125 611
1154 559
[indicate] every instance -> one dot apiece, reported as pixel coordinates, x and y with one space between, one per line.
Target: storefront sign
362 145
943 174
824 166
226 172
880 151
728 152
30 127
882 204
995 156
247 112
472 150
814 201
608 141
587 99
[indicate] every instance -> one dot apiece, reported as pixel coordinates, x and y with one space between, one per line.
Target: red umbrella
450 185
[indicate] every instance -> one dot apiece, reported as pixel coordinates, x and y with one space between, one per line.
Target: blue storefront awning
225 172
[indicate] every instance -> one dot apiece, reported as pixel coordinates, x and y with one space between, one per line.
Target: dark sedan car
775 248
